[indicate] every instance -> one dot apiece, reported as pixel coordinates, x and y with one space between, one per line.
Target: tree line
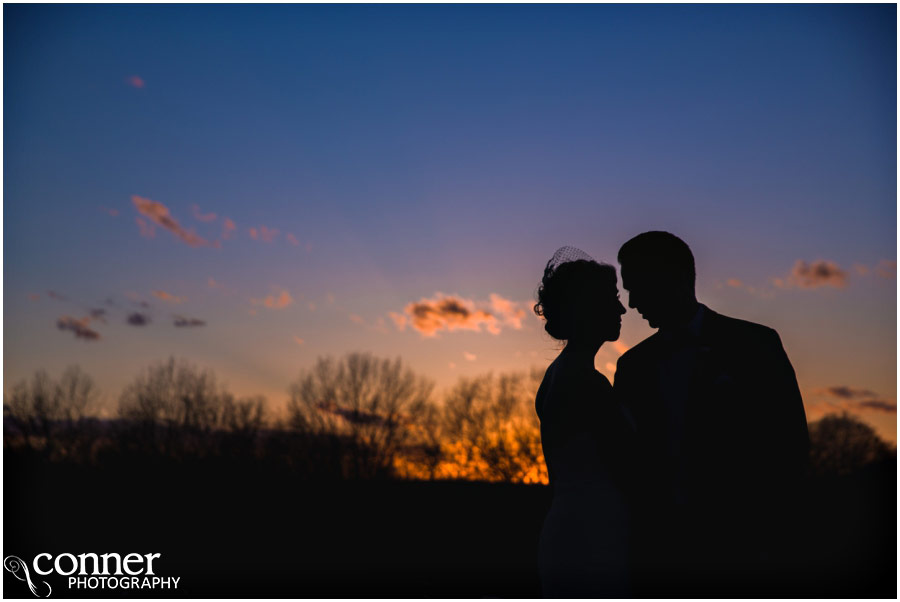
354 417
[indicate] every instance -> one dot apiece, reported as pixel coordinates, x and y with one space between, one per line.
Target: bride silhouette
585 435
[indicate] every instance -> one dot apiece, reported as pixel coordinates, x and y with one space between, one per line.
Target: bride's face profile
600 313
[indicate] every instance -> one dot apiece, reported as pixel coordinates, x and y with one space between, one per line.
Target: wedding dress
586 439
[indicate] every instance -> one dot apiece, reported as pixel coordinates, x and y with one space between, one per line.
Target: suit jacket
745 441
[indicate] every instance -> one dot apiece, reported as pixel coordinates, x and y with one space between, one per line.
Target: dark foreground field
242 531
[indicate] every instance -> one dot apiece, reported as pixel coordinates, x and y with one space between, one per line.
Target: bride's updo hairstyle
571 275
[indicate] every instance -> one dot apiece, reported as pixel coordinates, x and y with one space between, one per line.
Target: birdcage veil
565 255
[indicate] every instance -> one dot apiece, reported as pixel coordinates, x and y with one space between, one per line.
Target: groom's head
658 273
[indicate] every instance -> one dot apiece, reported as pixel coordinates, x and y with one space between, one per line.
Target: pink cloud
430 316
146 228
168 297
159 214
509 311
292 239
280 301
814 275
202 217
886 268
264 234
228 228
399 320
135 81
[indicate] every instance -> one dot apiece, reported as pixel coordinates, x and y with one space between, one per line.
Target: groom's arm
788 426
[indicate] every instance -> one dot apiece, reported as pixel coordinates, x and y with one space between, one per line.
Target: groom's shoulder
737 330
644 350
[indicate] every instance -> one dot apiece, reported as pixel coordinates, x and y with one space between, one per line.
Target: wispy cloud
110 211
159 214
169 297
228 228
879 405
298 340
202 217
135 81
853 400
136 298
184 322
357 319
352 416
80 327
279 301
510 312
138 319
400 320
814 274
886 268
470 357
264 234
844 392
292 239
450 312
146 229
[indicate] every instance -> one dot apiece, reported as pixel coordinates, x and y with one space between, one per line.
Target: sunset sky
250 187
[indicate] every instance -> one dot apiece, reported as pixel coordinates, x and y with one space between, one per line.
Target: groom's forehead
638 275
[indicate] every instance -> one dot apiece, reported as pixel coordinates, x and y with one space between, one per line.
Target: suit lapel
698 393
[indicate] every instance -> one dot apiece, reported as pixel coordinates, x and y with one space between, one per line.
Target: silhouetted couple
681 480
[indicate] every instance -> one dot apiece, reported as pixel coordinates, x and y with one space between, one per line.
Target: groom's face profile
651 292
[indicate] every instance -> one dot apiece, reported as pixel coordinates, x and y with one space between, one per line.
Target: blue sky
411 150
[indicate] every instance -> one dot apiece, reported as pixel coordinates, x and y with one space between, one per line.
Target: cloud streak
183 322
202 217
853 400
159 214
168 297
80 327
282 300
816 274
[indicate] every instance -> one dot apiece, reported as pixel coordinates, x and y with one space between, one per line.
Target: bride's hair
564 282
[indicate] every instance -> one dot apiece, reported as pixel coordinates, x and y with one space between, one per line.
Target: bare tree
363 408
490 429
50 414
175 407
841 444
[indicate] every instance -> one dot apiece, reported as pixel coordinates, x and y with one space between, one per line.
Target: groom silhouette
722 436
